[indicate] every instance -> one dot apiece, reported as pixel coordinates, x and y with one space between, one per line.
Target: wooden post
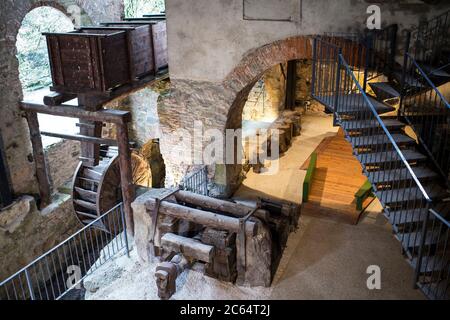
291 84
90 151
126 177
39 159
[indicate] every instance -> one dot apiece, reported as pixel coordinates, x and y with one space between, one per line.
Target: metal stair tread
399 195
382 157
430 263
355 125
383 176
429 70
407 216
363 141
386 88
355 103
409 80
408 194
414 239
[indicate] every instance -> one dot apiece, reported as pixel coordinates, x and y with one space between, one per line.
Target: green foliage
137 8
34 65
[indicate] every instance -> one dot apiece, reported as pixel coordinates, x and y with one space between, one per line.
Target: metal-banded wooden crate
87 60
157 38
100 59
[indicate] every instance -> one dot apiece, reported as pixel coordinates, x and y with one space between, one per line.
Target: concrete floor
323 260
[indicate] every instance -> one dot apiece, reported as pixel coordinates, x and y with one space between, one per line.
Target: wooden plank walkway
337 178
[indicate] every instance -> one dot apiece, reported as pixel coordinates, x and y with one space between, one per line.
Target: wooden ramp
337 178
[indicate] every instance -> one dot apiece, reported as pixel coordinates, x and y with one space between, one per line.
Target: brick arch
259 60
251 68
239 83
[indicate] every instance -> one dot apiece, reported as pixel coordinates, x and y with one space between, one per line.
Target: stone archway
219 106
225 101
258 61
242 79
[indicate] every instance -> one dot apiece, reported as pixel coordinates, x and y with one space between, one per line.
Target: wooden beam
55 99
205 218
188 247
93 129
81 138
126 177
234 209
104 115
39 159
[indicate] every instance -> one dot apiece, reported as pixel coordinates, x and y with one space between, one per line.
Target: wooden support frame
39 159
81 138
104 115
119 118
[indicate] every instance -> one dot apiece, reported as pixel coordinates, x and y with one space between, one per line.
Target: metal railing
325 68
428 112
53 275
197 182
430 38
369 55
433 274
381 45
384 160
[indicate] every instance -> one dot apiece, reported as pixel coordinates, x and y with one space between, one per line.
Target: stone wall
144 128
208 38
62 160
26 233
275 82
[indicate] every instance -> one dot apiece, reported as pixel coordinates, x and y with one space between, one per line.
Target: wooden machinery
96 65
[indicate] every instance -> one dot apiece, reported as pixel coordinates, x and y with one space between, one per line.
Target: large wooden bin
140 47
88 60
157 39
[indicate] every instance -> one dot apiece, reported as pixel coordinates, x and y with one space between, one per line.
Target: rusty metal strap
155 212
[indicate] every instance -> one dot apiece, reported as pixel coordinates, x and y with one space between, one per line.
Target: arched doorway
34 65
242 80
35 79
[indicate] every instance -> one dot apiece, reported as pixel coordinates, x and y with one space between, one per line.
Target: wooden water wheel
96 190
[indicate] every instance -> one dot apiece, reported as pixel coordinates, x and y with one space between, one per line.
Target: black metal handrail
428 112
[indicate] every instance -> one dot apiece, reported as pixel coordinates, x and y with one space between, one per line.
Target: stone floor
323 260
